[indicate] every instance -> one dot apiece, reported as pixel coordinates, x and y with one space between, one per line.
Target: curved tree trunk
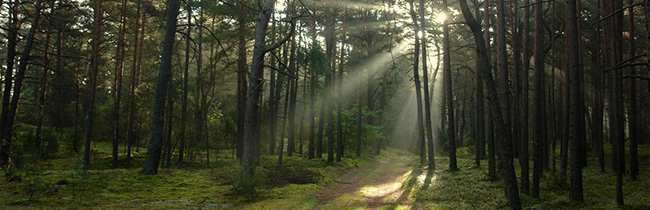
416 78
152 159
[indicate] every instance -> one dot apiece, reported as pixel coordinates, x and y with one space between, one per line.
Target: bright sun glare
441 17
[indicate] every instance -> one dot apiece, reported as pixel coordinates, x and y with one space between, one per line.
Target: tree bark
523 151
119 68
502 68
537 99
137 57
252 118
339 140
152 159
416 78
617 101
181 147
241 79
450 99
12 39
43 96
293 92
633 113
427 103
575 192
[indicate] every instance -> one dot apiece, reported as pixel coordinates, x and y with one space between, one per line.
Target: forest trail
372 186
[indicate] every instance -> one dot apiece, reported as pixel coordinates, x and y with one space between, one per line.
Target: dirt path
370 187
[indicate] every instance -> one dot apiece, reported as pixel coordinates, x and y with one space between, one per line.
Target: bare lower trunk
152 159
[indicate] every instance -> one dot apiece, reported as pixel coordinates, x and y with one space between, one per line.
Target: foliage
315 58
369 133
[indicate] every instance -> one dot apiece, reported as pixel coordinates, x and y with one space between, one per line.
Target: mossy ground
61 184
471 188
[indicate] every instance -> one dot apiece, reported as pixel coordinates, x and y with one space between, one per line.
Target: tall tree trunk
416 78
618 120
241 79
252 118
425 78
119 68
516 51
169 127
330 80
314 79
152 159
480 112
339 140
137 59
293 91
44 82
198 98
506 160
575 193
537 99
523 103
488 62
502 68
93 80
284 112
482 64
273 116
633 113
12 39
181 148
450 105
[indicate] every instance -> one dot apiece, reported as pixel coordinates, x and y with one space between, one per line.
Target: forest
325 104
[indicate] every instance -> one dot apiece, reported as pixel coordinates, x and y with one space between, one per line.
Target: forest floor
393 180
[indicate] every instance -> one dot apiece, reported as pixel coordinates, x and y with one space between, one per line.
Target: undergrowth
61 183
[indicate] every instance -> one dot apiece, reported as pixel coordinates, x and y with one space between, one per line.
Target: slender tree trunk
293 91
119 68
330 17
284 113
339 140
450 105
198 98
93 80
575 193
181 148
137 57
152 159
488 62
12 39
516 51
273 116
619 121
633 113
502 68
416 78
43 96
425 77
523 103
314 79
168 134
241 79
252 118
537 99
321 127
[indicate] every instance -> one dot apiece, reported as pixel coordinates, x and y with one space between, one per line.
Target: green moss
470 188
60 182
